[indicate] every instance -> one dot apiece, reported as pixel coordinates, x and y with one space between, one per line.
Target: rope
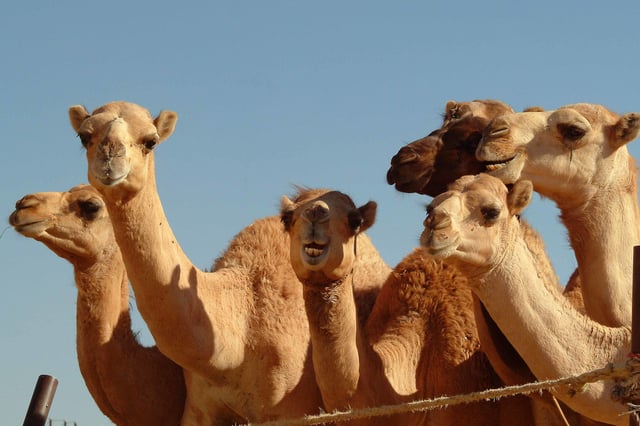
574 384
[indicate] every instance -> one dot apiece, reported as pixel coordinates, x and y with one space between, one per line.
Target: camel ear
626 129
286 212
519 196
77 114
450 109
165 123
364 217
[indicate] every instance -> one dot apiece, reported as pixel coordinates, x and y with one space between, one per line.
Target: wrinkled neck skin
347 370
553 338
603 224
603 233
336 340
102 303
131 384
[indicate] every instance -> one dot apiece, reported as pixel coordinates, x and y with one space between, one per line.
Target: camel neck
101 308
152 255
553 339
334 328
103 298
602 233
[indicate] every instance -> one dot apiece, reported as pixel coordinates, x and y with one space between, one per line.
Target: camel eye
150 143
429 209
490 214
85 138
89 208
573 133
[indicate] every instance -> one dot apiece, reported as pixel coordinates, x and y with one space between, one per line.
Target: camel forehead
479 182
85 189
135 117
488 108
533 119
594 113
331 197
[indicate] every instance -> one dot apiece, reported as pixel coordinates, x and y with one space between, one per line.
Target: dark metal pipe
41 401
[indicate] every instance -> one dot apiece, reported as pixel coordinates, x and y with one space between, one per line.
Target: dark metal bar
635 316
635 303
41 401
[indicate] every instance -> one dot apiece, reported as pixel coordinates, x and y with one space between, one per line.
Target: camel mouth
314 253
442 251
492 166
29 228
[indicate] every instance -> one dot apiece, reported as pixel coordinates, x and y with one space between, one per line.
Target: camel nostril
317 213
438 220
26 202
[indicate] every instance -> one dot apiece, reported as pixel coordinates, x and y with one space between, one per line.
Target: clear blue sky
269 94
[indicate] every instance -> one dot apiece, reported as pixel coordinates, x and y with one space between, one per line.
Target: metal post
635 316
41 401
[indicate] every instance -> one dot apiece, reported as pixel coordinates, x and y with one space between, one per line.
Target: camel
131 384
475 226
419 342
240 332
577 156
429 164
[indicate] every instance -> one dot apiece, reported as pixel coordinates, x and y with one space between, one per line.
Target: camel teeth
313 252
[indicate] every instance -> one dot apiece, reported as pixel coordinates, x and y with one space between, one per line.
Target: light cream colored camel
131 384
475 226
239 332
577 156
420 340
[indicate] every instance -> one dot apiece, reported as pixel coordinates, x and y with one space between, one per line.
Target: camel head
119 138
323 226
428 165
73 224
559 150
472 222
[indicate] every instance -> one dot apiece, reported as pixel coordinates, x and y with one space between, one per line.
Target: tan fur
576 156
420 341
475 227
240 332
131 384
